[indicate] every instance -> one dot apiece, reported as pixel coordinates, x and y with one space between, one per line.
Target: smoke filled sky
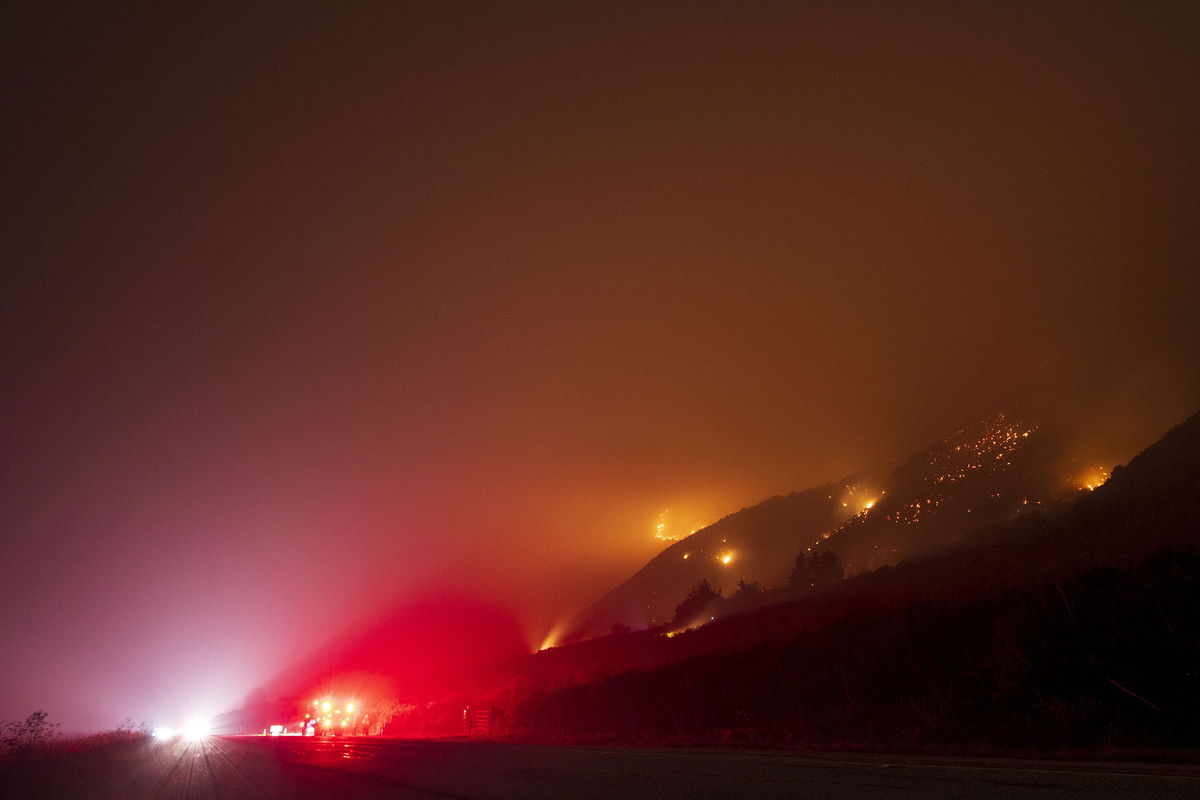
315 308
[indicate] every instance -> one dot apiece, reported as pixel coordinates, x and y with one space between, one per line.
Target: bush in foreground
35 732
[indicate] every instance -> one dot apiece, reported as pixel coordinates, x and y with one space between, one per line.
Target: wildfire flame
662 529
1093 480
552 638
664 532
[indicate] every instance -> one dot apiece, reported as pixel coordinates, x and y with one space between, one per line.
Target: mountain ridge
1041 623
986 471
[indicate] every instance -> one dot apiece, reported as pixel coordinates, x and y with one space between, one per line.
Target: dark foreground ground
255 767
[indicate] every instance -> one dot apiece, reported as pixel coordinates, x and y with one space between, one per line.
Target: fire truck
332 717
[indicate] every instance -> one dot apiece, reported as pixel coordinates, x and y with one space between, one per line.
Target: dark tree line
814 570
701 600
1110 657
703 603
31 733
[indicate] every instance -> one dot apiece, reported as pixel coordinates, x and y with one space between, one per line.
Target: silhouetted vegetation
746 589
46 766
1074 627
765 536
700 601
36 737
32 733
986 473
814 570
1110 657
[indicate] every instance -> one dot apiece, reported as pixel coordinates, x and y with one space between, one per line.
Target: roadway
224 768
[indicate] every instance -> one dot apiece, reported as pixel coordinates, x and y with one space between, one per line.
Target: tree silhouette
745 589
816 569
700 600
28 734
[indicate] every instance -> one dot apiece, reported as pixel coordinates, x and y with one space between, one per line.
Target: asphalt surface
218 768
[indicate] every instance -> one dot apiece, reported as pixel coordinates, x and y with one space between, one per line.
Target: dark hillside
1026 607
1107 658
760 542
990 471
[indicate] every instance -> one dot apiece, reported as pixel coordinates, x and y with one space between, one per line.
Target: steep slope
990 471
1151 503
1075 626
759 543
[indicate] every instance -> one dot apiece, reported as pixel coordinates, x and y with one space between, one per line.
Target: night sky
312 310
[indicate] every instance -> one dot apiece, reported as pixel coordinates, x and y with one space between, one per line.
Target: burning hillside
989 471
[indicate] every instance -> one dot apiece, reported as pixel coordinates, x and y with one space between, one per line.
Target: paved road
371 769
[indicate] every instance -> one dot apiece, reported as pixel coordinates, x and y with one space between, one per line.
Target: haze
313 311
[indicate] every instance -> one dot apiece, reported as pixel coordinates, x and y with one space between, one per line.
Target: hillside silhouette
998 597
1069 627
992 470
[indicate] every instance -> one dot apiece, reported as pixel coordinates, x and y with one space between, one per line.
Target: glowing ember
551 638
665 531
662 529
1093 480
986 448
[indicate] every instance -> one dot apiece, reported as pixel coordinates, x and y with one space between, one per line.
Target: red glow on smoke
416 651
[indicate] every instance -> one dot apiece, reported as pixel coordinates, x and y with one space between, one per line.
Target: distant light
195 729
163 733
343 723
551 638
662 530
276 730
326 705
1094 480
725 559
349 706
